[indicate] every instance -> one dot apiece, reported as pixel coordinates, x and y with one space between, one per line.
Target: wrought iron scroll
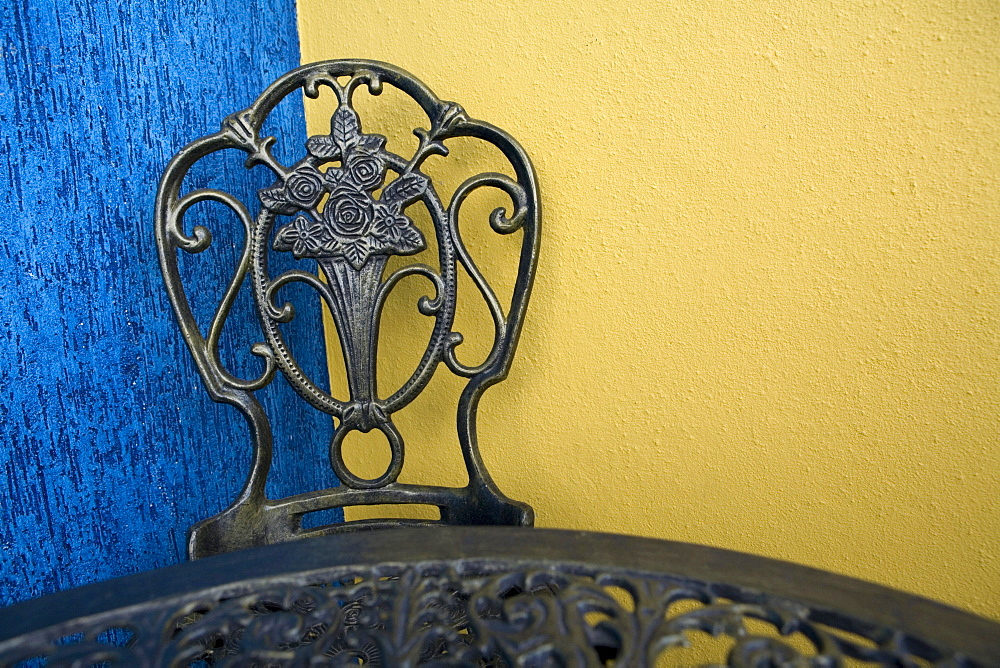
341 212
476 613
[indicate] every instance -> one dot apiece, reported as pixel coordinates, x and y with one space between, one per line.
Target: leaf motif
356 252
323 146
285 241
274 198
345 126
377 245
405 189
410 240
333 176
451 114
372 142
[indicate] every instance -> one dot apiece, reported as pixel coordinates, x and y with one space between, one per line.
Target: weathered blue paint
109 447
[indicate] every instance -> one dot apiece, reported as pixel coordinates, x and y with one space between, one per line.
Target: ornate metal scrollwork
341 210
475 613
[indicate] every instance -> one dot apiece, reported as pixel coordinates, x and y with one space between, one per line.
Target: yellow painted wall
766 316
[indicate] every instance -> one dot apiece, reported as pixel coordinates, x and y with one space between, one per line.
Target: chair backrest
340 217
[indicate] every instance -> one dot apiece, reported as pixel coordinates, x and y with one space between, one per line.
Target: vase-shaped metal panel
341 212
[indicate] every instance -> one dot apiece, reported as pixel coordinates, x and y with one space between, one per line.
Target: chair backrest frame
350 237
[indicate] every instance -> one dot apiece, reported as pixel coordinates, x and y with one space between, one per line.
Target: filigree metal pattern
481 612
324 211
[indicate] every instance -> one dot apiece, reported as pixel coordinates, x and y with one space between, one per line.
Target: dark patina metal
439 595
492 596
343 236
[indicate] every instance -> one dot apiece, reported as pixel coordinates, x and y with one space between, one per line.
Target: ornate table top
491 596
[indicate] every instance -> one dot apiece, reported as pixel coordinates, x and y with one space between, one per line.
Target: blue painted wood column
109 448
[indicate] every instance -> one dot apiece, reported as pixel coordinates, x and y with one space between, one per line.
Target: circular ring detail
353 481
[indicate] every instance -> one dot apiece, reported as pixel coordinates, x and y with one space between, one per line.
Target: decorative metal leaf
372 142
345 127
274 198
334 177
405 189
356 252
323 146
410 240
286 238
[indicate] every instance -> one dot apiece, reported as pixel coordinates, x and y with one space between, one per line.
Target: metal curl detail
201 237
345 92
263 351
287 312
425 305
502 224
201 241
263 296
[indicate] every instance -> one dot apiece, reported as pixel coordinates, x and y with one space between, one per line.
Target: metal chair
434 596
325 212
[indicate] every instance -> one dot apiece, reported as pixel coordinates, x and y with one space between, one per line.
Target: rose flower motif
301 188
364 169
349 212
304 186
353 226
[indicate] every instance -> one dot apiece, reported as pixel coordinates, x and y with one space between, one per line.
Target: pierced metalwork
502 598
341 227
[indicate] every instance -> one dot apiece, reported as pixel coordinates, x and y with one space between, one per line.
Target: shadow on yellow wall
767 309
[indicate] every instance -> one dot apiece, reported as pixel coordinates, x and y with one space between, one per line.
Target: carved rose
353 225
304 186
349 212
365 170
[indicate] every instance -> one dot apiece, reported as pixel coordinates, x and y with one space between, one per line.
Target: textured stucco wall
109 448
767 309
